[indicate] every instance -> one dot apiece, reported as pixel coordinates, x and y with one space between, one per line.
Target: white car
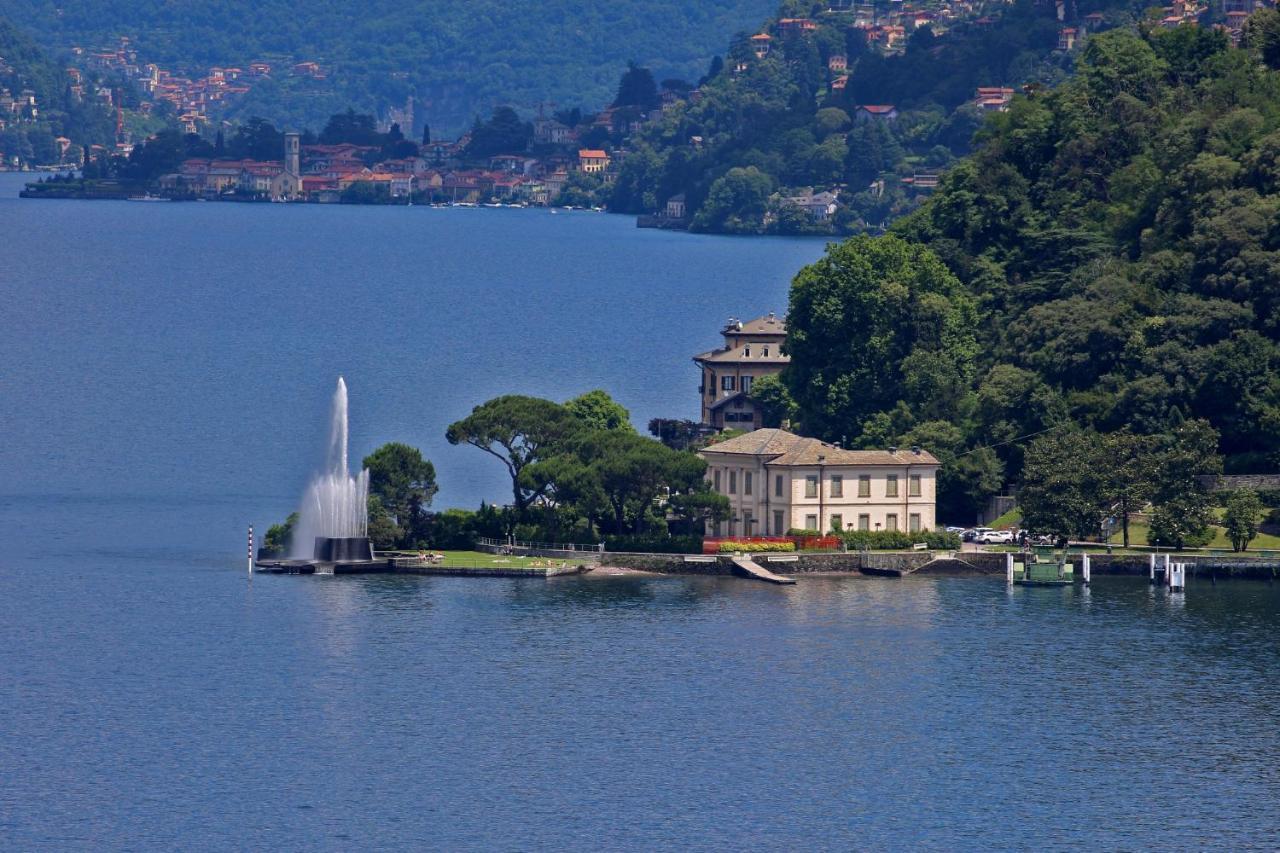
995 537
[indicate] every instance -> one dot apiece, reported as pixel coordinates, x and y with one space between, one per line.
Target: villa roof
786 449
738 354
770 324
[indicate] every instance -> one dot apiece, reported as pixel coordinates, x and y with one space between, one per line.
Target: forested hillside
29 134
1107 262
460 57
782 118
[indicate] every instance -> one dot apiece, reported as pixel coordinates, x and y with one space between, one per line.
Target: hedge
755 547
899 540
641 544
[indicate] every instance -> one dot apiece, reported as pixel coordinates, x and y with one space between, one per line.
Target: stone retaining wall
1227 482
975 563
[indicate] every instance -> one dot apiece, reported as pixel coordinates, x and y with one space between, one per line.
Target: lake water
164 377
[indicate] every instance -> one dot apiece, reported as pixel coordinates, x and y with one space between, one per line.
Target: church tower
292 154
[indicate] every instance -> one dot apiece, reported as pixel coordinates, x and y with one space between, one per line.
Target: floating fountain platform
343 549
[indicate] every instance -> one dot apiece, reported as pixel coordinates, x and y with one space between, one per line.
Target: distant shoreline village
857 143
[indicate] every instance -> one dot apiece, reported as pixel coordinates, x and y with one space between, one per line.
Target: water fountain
334 518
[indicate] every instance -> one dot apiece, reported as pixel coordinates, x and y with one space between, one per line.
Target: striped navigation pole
250 549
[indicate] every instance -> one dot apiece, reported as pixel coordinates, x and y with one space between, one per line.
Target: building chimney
893 448
915 448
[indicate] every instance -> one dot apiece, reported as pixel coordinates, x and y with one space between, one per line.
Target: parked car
972 534
951 528
995 537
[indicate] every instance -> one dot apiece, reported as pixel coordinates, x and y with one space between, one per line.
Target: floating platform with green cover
1040 570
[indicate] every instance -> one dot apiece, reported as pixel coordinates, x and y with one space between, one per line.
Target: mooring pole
250 549
1084 568
1152 556
1008 568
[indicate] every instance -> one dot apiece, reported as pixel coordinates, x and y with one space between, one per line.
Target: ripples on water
611 713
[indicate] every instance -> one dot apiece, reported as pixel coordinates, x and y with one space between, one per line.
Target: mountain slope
459 57
1119 237
28 136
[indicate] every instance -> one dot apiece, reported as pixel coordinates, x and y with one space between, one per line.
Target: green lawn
481 560
1263 542
1012 518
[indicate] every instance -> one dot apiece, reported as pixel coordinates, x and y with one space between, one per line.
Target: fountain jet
333 522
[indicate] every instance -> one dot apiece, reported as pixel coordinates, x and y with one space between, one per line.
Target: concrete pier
754 570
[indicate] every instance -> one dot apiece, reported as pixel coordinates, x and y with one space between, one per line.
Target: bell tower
292 154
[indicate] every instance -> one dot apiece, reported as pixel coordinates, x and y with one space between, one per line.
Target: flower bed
730 546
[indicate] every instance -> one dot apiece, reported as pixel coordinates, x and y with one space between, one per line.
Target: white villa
777 481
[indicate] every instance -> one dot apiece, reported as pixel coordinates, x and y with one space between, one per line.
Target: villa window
733 482
837 522
746 383
837 485
891 521
747 521
864 522
811 486
764 352
810 522
746 482
777 485
864 485
891 486
716 476
913 522
726 383
777 523
746 351
913 486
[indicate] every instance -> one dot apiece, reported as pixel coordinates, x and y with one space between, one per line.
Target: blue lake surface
165 372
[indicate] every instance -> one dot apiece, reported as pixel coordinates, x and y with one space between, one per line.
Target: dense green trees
580 469
1074 479
401 486
1242 514
873 322
59 112
518 431
503 133
1116 235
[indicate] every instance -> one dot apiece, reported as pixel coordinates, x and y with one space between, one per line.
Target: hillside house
751 349
994 98
875 112
592 160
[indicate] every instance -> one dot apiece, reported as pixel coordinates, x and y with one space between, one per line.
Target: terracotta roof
762 442
789 449
738 354
586 153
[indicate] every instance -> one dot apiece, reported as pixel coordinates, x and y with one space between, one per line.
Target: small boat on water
1042 569
147 197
